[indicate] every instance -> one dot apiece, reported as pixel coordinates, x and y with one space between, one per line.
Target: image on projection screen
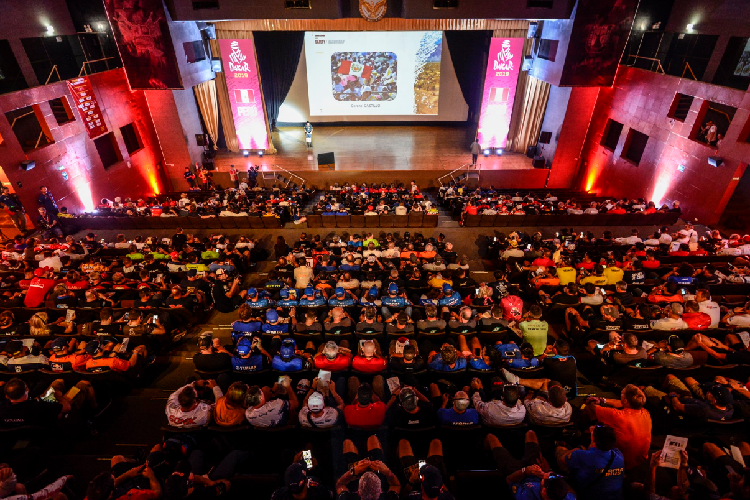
373 73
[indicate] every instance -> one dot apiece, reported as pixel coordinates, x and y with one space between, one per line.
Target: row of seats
414 219
124 223
657 219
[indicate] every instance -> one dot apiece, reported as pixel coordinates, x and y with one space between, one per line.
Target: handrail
687 67
468 167
83 66
658 62
290 174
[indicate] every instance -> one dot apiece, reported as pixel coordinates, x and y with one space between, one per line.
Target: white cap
316 402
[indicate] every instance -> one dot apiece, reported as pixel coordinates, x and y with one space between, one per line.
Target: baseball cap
393 288
373 291
286 350
364 394
309 290
611 311
272 315
447 287
295 476
243 346
59 344
252 292
461 400
205 340
432 481
174 255
316 402
408 399
676 344
192 272
41 271
340 291
284 293
722 394
220 272
92 347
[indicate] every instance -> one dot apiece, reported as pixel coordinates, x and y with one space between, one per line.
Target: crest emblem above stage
373 10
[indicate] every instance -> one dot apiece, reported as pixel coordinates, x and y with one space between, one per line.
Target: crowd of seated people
376 199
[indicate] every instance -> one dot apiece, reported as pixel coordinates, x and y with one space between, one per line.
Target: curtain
278 54
469 50
205 94
359 24
531 114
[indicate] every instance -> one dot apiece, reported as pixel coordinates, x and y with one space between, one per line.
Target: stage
385 153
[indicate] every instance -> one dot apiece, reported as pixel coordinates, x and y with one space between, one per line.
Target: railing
467 166
53 70
83 66
686 68
300 181
652 59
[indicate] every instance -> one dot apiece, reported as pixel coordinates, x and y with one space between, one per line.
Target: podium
326 161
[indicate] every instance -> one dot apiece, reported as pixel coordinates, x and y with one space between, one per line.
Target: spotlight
690 27
260 153
486 152
245 153
50 30
499 152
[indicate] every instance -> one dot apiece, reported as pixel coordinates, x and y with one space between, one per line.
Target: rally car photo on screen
364 76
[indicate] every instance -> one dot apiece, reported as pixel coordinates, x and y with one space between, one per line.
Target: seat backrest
400 221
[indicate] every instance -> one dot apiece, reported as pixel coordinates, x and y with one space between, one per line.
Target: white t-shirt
328 419
497 413
198 416
669 324
541 412
739 320
270 414
302 276
712 309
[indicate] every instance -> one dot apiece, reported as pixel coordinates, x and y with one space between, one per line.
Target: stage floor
376 148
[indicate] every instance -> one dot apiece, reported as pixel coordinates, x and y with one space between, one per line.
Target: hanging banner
241 72
600 32
88 109
145 45
506 58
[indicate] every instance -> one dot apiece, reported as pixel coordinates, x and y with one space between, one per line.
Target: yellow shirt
438 282
566 275
596 280
613 275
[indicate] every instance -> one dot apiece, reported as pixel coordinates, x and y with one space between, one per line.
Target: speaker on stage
545 137
539 162
326 161
207 159
200 140
531 151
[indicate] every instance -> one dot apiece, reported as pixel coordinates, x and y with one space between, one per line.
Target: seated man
631 351
271 407
671 353
18 409
733 351
368 409
431 323
338 321
408 360
368 358
462 321
68 355
505 406
246 323
316 408
526 478
549 405
287 357
211 356
587 465
399 325
409 408
672 319
694 318
688 398
366 473
250 356
186 409
332 357
447 360
425 482
110 357
274 325
459 413
369 322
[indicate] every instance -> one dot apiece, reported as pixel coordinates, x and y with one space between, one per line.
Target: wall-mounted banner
88 108
142 35
506 58
600 32
241 71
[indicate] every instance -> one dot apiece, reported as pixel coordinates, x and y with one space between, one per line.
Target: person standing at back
475 149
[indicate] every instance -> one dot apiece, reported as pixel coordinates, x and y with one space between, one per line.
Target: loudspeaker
533 26
528 63
207 160
531 151
326 161
545 137
200 140
28 164
539 162
715 161
216 64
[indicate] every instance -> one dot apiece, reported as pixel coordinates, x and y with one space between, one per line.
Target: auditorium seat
255 222
386 220
343 221
156 222
488 220
372 221
515 220
314 221
328 220
242 222
430 221
271 222
214 222
400 221
531 220
415 219
472 220
357 221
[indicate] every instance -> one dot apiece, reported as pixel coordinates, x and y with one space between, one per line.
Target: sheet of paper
737 455
647 345
745 336
670 454
393 384
400 347
324 375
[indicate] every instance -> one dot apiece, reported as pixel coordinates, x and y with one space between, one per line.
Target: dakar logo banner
373 10
499 91
241 73
142 35
87 106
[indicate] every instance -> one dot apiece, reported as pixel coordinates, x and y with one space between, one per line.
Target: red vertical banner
88 108
245 98
145 45
506 58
